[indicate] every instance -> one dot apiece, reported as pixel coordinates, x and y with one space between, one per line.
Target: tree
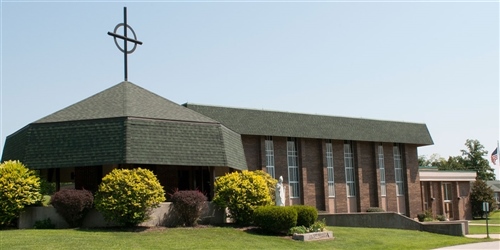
453 163
481 193
473 159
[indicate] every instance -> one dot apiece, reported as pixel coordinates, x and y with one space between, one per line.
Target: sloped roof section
274 123
125 124
125 100
183 144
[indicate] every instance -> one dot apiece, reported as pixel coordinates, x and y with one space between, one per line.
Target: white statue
280 193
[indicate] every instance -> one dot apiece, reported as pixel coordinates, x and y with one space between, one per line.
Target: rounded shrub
275 219
72 205
241 193
127 196
306 215
188 205
19 187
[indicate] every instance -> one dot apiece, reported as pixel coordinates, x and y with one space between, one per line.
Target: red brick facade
314 180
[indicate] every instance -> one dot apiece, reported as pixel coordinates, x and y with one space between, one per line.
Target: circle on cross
126 38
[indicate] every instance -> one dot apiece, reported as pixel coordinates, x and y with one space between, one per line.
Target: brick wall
311 169
367 176
313 174
412 188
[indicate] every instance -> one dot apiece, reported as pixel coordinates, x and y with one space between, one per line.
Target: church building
336 164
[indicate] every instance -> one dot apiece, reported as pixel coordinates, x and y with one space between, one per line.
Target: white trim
427 175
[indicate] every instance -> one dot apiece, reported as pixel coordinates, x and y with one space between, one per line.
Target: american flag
494 156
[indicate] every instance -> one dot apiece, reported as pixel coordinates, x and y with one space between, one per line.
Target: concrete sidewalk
483 236
481 245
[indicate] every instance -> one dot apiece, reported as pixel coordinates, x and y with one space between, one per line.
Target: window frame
293 167
330 168
269 149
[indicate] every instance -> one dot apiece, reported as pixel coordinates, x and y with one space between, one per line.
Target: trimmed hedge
72 205
306 215
188 205
275 219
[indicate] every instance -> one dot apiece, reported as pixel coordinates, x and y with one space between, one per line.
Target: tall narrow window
447 191
381 166
398 170
349 169
270 156
329 168
293 167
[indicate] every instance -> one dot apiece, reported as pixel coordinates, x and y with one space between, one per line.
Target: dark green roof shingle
275 123
125 124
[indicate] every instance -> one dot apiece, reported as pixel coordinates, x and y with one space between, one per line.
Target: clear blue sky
427 62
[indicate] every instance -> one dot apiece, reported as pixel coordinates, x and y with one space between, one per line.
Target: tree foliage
472 158
128 196
481 193
19 187
241 192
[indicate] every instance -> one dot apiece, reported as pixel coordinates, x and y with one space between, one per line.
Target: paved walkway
481 245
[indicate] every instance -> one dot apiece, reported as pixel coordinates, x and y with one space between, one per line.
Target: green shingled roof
125 100
274 123
125 124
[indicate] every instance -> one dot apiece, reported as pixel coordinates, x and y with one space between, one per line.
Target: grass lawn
482 229
493 218
221 238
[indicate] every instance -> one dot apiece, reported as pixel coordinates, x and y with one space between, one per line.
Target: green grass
493 218
221 238
482 229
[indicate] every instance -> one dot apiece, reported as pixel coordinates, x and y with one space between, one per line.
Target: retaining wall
161 216
396 221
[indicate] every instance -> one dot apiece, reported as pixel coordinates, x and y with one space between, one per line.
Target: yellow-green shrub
19 187
271 183
128 196
241 193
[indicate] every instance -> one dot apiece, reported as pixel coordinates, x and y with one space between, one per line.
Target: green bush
44 224
275 219
318 226
127 196
188 205
241 193
421 217
306 215
19 187
440 217
47 188
298 230
72 205
375 210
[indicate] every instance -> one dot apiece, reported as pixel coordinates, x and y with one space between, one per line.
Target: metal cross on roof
126 39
